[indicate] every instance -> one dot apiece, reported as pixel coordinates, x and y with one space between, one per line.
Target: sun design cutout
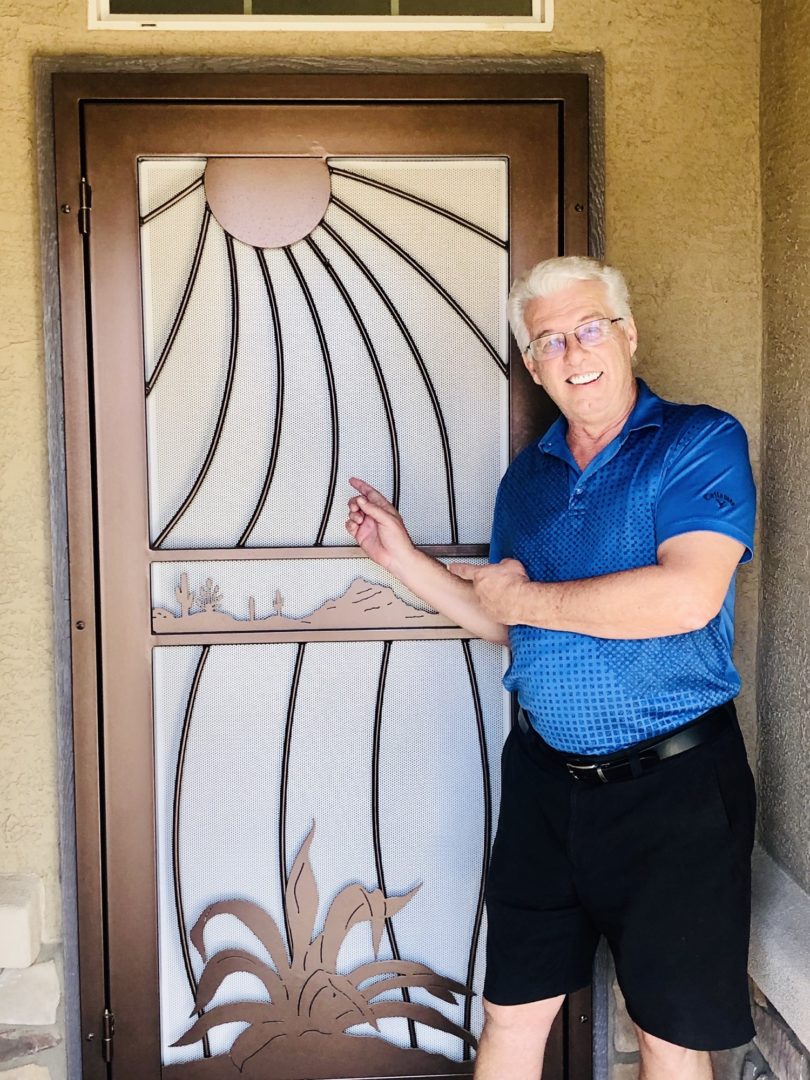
268 202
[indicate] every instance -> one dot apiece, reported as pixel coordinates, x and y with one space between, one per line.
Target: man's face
589 385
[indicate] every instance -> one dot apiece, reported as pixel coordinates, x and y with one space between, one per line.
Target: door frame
63 89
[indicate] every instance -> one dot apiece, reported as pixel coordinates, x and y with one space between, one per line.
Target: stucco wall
785 650
682 212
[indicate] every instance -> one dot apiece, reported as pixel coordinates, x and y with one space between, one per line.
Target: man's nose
574 351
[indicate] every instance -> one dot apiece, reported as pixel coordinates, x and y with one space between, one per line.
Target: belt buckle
598 770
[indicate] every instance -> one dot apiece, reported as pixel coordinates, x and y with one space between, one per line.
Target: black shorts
659 864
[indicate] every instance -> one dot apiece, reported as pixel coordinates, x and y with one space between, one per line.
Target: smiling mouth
585 378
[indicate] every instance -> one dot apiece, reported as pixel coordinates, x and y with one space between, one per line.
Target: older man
628 804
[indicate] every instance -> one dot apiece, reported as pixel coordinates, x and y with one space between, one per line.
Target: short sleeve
708 485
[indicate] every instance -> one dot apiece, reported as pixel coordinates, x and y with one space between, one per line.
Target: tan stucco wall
785 649
682 212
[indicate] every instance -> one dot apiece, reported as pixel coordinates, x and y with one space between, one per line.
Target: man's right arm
380 531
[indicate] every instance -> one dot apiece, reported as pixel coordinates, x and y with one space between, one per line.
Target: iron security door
300 778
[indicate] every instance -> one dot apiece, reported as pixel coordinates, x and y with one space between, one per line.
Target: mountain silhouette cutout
364 605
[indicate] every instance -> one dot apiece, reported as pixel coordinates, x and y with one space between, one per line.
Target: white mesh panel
472 393
168 245
489 663
423 488
183 406
471 390
233 484
431 792
298 495
432 811
473 189
330 761
363 434
470 267
228 814
160 180
173 674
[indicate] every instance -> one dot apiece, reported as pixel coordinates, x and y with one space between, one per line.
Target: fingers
367 510
365 507
369 492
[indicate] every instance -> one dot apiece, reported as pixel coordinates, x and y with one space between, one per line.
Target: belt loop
635 764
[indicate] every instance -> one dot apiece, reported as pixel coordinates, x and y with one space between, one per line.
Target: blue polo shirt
672 469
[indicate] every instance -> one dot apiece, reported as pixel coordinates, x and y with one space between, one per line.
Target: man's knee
667 1057
532 1020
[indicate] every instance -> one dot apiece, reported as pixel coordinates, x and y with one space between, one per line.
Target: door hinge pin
85 206
109 1034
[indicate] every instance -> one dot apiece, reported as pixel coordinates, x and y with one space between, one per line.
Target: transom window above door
322 14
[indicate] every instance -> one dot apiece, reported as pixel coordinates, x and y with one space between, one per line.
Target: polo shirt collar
647 412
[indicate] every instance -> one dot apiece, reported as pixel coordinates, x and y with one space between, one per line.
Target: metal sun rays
333 227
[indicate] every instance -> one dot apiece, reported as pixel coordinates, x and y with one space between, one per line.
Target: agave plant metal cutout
309 1002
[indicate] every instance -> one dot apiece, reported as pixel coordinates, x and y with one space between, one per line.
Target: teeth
589 376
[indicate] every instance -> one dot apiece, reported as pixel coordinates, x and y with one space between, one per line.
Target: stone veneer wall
31 1022
775 1053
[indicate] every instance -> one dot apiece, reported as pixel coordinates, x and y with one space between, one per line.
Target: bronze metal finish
238 193
364 606
104 124
309 1004
83 589
438 551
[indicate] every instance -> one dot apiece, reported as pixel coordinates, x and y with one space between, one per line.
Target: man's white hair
552 275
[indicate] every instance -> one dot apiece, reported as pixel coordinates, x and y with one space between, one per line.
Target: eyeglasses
588 334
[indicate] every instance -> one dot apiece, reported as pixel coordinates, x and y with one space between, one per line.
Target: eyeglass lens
588 335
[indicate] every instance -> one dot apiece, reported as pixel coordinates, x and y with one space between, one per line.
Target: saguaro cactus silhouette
185 597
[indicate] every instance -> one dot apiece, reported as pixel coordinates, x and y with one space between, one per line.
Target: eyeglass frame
565 333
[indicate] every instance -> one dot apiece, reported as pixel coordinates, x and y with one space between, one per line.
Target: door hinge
85 206
109 1035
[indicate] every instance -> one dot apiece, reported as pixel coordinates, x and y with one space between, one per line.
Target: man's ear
631 333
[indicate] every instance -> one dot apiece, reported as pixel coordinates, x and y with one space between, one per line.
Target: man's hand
379 530
681 592
499 587
377 527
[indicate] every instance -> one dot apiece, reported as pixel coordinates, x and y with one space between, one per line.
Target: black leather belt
643 756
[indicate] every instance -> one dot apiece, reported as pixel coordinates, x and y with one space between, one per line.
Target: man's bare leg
514 1039
661 1060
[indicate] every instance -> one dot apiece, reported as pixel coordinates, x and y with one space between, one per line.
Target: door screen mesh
254 743
360 772
249 404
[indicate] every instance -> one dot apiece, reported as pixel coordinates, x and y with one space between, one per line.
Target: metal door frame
80 738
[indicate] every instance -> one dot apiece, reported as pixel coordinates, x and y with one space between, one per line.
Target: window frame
99 17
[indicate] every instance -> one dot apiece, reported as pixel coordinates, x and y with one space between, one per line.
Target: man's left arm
683 591
704 524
